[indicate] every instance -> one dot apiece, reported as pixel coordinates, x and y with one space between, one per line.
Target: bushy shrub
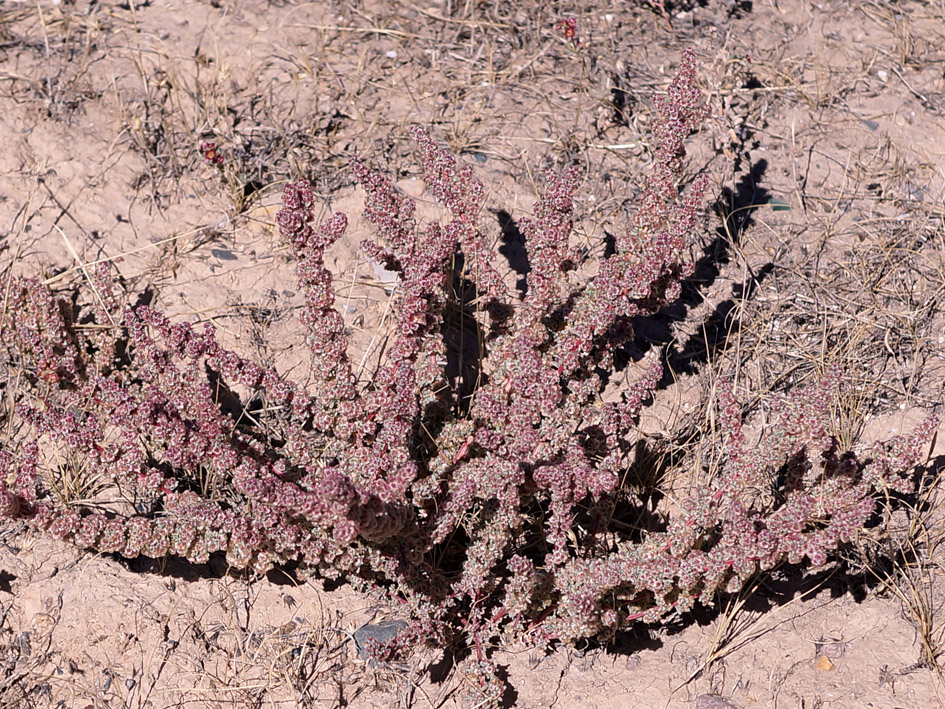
482 513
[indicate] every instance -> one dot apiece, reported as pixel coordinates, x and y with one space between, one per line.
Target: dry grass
830 248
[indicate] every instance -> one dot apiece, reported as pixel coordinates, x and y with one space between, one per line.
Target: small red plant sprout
211 153
568 29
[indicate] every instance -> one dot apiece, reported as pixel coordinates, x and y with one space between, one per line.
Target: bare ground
825 242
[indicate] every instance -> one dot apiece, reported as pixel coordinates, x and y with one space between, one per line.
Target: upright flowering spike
334 386
546 242
454 186
650 262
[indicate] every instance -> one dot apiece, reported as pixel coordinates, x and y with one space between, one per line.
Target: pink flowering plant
482 516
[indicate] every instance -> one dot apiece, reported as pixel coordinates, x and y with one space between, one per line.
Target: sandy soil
824 241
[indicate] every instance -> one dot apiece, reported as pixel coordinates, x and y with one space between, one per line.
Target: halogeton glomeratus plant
481 514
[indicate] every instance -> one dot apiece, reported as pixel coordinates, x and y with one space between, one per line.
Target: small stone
223 254
710 701
382 632
823 664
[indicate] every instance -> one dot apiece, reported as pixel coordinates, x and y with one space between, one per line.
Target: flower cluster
482 515
567 27
211 153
